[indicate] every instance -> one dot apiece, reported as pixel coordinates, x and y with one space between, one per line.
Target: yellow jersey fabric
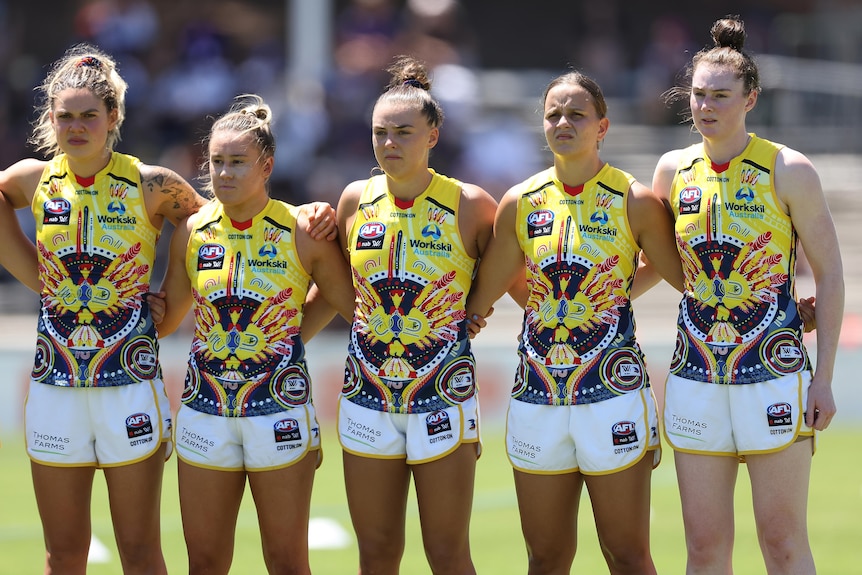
738 320
249 288
96 249
578 339
409 351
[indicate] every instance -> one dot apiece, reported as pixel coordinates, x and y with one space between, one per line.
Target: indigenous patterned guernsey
96 250
247 357
409 351
578 340
738 321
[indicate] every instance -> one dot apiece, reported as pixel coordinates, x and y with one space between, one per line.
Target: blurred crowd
185 60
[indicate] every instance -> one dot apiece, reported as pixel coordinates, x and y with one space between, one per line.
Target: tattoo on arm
180 199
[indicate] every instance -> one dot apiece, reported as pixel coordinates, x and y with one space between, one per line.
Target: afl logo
286 430
138 424
690 195
540 218
437 418
779 409
624 433
56 207
372 230
209 252
137 420
286 425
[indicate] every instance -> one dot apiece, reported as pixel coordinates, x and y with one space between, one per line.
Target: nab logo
600 217
438 422
540 218
779 414
57 207
624 433
689 200
286 430
211 252
138 424
371 230
432 231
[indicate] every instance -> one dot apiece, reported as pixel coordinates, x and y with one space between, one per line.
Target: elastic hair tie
89 61
413 82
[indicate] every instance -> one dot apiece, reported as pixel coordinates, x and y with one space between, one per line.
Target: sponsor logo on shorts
439 425
287 430
194 441
624 433
139 425
779 414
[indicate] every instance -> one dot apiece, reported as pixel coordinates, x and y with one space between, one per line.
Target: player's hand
156 301
321 221
476 322
806 312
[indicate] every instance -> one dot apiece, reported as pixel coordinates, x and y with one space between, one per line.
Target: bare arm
168 195
333 288
652 227
798 186
18 184
177 287
502 261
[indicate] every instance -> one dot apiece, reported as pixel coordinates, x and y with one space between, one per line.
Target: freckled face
571 121
401 138
238 173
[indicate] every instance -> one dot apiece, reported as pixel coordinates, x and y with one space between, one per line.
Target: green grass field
835 518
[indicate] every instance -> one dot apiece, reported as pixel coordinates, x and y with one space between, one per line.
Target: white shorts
420 437
96 426
735 420
256 443
595 438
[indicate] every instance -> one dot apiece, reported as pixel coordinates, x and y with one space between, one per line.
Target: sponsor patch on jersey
371 236
56 212
689 200
211 257
624 433
540 223
779 414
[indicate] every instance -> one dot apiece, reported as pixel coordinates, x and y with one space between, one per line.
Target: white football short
595 438
256 443
420 437
735 420
96 426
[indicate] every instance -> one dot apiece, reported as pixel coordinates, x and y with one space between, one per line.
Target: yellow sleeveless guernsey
96 252
738 321
578 339
409 351
247 356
